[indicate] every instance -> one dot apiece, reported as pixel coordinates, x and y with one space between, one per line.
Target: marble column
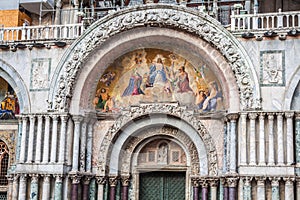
31 139
243 139
233 143
101 180
225 189
10 179
297 145
232 184
83 144
62 139
289 138
298 188
204 189
92 192
213 189
23 139
289 188
247 188
280 147
225 145
261 191
39 139
15 187
75 182
46 139
89 146
19 139
125 186
58 12
34 187
262 159
228 144
23 187
54 139
77 121
252 147
195 184
275 188
58 187
46 187
113 181
271 138
86 187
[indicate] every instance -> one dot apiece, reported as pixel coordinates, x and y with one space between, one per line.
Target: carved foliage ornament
168 16
150 109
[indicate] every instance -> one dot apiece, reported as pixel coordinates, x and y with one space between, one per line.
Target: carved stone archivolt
166 16
174 110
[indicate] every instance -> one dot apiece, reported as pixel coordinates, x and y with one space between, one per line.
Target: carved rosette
169 16
145 109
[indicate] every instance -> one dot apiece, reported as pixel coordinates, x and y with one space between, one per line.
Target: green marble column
58 188
275 188
34 188
93 189
247 188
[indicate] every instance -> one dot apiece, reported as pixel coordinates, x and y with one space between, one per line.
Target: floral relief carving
169 16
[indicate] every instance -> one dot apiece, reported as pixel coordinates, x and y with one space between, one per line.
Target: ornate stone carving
40 70
113 181
195 181
232 181
125 180
169 16
101 180
169 109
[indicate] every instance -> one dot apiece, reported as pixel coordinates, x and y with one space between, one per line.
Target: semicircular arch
9 74
168 16
289 94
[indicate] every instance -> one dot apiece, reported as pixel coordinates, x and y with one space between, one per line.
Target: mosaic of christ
154 75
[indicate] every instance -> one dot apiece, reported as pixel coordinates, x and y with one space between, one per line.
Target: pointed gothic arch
163 16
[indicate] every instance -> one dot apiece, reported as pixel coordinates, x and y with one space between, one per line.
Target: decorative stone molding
34 178
113 181
125 180
101 180
76 178
87 179
168 16
152 109
232 181
260 180
195 181
252 116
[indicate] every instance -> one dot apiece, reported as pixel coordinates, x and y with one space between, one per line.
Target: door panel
162 186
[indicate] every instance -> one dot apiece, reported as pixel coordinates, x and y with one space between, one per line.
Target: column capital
24 117
113 181
274 181
75 178
125 180
10 177
46 177
47 117
247 180
54 117
32 117
203 182
289 114
252 116
279 114
232 181
195 181
260 180
213 182
58 178
77 118
23 177
233 116
34 178
87 179
270 116
297 115
289 180
64 117
16 177
101 180
262 115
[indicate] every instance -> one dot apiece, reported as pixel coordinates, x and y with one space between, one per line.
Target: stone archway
165 16
9 74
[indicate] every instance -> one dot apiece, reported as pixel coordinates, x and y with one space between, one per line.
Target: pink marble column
113 181
195 184
232 184
204 189
125 184
86 187
75 182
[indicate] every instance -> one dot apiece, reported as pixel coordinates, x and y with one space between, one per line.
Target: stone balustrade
41 33
265 22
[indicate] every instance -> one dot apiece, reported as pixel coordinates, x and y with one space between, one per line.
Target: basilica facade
153 101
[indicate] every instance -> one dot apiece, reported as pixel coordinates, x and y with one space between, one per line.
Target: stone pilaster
54 139
62 139
34 187
247 188
289 138
31 138
252 148
233 143
39 139
101 180
46 187
275 187
271 139
280 147
261 188
15 187
243 140
113 181
83 145
58 187
46 139
75 162
23 139
23 187
125 180
289 188
262 159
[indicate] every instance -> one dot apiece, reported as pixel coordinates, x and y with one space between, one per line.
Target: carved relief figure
162 157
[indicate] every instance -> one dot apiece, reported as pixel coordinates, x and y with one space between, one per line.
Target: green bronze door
162 186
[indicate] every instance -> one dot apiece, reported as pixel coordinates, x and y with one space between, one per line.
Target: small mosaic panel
40 72
272 68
